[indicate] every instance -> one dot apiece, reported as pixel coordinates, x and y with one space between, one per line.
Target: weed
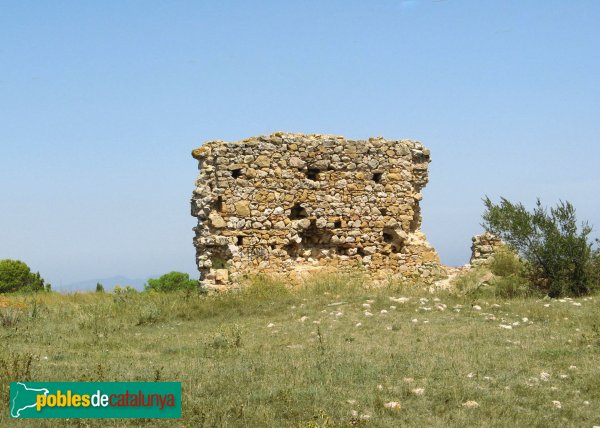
511 286
320 341
472 282
595 337
320 420
10 317
98 374
230 338
334 284
261 288
34 309
16 367
149 314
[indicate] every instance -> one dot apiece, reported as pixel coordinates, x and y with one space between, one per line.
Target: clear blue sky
101 103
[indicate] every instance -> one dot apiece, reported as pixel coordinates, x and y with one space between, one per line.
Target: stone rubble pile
285 203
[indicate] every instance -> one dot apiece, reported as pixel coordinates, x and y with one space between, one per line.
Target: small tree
171 281
128 289
99 288
559 256
17 276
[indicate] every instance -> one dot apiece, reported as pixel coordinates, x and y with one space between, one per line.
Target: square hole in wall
236 173
388 237
240 240
312 174
377 177
297 212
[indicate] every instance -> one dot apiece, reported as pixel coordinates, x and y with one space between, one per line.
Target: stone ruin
287 203
484 248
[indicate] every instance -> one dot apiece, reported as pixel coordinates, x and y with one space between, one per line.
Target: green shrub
172 281
511 286
219 263
17 276
122 295
505 263
559 257
504 277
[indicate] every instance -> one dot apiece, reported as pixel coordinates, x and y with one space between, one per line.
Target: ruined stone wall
484 247
287 203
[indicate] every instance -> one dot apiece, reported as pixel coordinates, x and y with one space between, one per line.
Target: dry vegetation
330 354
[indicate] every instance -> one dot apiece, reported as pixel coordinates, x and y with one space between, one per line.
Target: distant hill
108 283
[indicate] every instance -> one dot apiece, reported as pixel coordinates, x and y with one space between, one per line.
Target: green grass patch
330 353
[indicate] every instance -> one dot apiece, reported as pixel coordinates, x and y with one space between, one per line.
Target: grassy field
332 353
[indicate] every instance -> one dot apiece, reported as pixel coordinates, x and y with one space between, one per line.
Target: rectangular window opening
219 204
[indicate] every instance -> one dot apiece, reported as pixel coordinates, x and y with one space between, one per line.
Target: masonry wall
287 203
484 248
